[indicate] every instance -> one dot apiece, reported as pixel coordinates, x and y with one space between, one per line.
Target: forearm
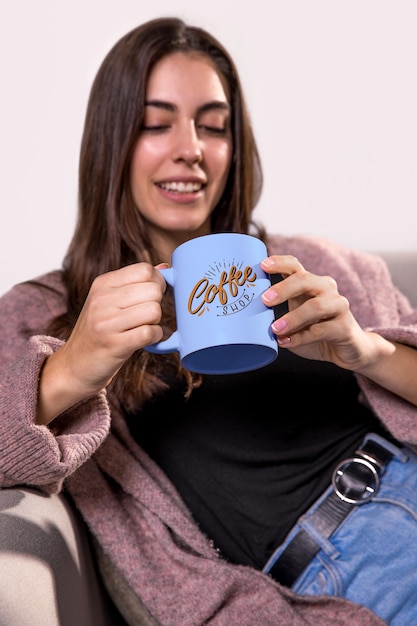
395 369
59 389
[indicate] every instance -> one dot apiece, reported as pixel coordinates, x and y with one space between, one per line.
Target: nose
188 146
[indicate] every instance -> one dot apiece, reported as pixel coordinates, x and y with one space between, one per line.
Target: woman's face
182 158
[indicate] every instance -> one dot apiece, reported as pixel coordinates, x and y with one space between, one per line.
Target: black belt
355 481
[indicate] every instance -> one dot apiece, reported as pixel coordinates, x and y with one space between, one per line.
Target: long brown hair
110 232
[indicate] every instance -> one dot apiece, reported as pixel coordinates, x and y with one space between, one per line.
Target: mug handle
172 343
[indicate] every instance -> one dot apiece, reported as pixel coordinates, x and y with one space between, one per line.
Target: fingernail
279 325
270 294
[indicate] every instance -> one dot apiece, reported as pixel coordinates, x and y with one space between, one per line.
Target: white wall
332 87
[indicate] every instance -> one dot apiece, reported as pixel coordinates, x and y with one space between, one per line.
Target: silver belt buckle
356 480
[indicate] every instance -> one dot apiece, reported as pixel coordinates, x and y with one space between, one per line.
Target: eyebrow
208 106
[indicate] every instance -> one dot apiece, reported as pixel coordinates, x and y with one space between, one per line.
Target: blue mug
223 327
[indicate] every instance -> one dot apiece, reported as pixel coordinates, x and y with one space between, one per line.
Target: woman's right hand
121 314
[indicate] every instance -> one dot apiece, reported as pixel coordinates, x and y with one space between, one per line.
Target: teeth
181 187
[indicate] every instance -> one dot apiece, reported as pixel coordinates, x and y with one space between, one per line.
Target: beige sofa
403 268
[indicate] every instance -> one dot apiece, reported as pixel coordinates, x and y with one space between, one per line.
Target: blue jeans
371 558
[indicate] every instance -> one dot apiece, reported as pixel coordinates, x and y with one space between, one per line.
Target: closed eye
155 128
213 129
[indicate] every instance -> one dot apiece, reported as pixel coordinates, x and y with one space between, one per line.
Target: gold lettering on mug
229 286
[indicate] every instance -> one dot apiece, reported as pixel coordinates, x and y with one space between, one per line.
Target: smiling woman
181 160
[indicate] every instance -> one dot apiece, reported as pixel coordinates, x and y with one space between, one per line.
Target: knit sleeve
41 456
398 415
30 454
388 313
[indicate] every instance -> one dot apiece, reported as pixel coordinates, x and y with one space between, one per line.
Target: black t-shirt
249 453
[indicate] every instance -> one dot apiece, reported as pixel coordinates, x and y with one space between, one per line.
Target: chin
190 229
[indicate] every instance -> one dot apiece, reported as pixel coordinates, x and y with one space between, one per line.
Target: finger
312 312
138 293
122 344
130 274
279 268
143 314
299 287
281 264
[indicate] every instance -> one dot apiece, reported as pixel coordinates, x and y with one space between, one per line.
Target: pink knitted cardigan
156 561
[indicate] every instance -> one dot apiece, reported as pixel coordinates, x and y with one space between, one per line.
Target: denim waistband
355 482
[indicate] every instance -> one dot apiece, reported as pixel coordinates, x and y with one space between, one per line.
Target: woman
187 485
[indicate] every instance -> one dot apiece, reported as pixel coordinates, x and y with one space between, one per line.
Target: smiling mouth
181 187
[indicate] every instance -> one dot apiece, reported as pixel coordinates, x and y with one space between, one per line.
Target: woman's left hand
319 324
